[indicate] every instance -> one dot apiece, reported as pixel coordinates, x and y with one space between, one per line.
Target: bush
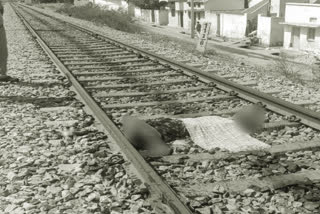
287 69
115 19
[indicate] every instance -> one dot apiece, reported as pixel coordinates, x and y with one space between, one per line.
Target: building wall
197 5
287 36
275 7
305 44
186 20
179 5
233 25
254 2
301 13
131 8
112 4
264 30
173 18
156 17
263 10
137 12
224 4
146 15
163 17
277 31
278 7
211 16
270 31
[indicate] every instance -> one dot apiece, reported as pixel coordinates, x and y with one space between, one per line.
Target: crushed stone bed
266 77
84 175
47 167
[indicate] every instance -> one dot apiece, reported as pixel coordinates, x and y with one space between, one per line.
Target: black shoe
8 79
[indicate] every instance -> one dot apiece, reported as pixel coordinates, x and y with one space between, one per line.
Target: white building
180 12
234 18
269 31
110 4
302 26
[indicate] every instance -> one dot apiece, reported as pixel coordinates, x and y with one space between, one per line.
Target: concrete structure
302 26
173 19
236 22
253 2
111 4
277 7
159 17
179 12
137 12
226 5
270 31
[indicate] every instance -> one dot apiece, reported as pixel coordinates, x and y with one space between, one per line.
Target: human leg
4 58
3 53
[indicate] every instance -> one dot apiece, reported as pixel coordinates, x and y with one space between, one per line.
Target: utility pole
192 18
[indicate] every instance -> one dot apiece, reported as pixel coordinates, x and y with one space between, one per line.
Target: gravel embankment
55 160
300 198
267 77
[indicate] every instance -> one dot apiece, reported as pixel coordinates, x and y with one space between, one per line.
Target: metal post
192 18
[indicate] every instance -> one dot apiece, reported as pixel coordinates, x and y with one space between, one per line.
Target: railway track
113 79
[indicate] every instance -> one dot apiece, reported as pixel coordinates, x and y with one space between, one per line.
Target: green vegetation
115 19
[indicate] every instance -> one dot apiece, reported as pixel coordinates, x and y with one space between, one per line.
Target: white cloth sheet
217 132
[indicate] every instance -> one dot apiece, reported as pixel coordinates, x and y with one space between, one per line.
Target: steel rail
161 191
303 115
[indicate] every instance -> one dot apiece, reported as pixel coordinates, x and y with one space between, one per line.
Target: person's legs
4 58
3 53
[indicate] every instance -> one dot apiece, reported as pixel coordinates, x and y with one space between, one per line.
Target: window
311 34
313 19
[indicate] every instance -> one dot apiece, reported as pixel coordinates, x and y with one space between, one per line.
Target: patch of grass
286 69
316 71
118 20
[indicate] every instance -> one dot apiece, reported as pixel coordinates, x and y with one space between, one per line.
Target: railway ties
78 73
172 90
97 51
113 67
108 54
97 57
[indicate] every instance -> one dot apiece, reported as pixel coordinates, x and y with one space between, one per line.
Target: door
152 16
295 37
181 19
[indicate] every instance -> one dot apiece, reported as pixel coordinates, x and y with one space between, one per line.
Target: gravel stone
51 168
